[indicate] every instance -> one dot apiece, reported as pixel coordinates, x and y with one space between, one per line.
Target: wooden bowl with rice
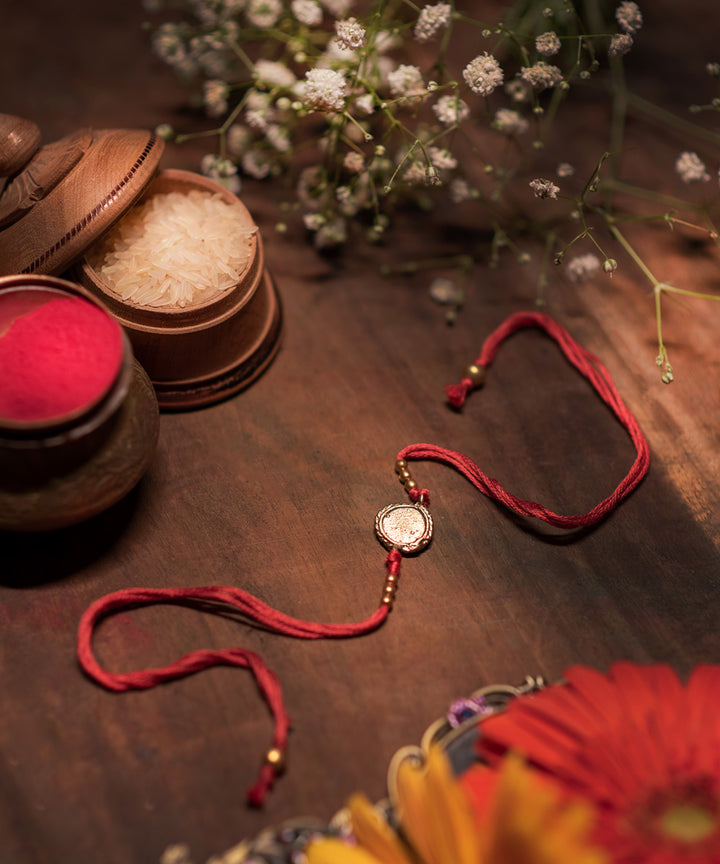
184 273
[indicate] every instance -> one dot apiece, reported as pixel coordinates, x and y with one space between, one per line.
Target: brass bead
409 484
404 475
387 599
391 579
400 465
476 374
275 757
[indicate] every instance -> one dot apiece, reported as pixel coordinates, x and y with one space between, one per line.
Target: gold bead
476 374
404 475
390 580
388 599
409 484
275 757
400 465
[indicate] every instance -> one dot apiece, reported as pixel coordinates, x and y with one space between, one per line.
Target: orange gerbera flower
486 817
636 742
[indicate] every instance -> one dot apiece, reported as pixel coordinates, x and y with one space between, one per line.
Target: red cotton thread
591 368
278 622
250 606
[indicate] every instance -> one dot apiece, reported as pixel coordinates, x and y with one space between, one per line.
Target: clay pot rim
55 431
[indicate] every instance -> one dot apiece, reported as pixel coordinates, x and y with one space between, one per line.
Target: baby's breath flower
350 34
610 265
263 14
541 75
442 159
565 169
483 74
365 103
544 188
415 174
583 267
313 221
446 291
460 190
509 122
337 8
165 131
406 81
274 74
324 90
307 12
331 234
518 90
258 110
256 163
221 170
629 16
547 43
215 97
354 162
690 167
451 110
620 44
279 138
238 139
431 19
170 47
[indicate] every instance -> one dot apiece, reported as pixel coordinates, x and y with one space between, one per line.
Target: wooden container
63 468
200 353
73 191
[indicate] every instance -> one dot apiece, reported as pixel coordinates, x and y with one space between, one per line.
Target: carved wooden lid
56 200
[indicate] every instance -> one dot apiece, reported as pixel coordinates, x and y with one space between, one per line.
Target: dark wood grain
276 490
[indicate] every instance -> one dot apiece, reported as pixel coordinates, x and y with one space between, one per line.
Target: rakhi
404 529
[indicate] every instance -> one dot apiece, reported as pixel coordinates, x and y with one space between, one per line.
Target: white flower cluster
509 122
544 188
583 267
324 90
431 19
350 35
483 74
547 43
451 110
629 17
541 75
691 168
406 81
307 12
620 44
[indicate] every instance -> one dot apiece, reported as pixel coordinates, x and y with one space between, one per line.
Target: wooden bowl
199 354
67 468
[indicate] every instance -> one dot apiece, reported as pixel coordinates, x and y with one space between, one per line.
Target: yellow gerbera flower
510 817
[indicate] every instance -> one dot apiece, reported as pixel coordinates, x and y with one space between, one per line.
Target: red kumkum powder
58 354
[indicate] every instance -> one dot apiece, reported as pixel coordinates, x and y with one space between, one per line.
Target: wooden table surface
276 490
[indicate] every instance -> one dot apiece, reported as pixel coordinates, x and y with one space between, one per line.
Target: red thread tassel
457 393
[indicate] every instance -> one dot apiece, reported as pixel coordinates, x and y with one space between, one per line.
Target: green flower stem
620 237
666 118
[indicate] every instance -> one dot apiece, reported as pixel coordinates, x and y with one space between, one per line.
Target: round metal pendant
406 527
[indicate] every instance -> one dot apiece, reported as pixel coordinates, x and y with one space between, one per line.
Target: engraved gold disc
406 527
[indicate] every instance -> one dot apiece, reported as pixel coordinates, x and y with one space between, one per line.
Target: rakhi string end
473 378
273 766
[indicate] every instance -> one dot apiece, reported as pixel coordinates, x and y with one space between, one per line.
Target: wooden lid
69 193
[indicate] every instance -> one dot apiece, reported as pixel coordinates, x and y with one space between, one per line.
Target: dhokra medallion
406 527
